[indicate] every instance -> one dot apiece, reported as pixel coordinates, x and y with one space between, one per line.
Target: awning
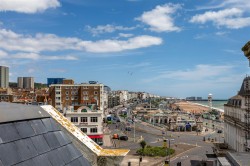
95 136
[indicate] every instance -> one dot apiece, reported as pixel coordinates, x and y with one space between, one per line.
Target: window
72 98
72 92
66 87
93 130
58 103
84 110
96 87
85 87
66 92
93 119
76 98
85 92
74 119
95 92
58 98
58 93
67 98
85 98
84 130
84 119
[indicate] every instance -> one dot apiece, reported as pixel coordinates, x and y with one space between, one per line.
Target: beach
191 107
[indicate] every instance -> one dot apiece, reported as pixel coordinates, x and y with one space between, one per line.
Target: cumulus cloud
28 6
103 46
108 29
160 19
230 18
11 41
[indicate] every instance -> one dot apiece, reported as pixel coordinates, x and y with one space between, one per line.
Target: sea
217 104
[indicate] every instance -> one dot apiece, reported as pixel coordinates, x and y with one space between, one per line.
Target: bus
109 119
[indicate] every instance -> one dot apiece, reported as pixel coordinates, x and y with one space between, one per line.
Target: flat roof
18 112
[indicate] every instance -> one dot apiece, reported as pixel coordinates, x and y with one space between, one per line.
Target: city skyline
165 48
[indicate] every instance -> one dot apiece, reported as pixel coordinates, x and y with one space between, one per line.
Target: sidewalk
106 137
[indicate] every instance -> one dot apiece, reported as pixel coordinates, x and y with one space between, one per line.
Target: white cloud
35 56
199 73
108 29
3 54
221 33
103 46
30 46
160 19
28 6
125 35
229 18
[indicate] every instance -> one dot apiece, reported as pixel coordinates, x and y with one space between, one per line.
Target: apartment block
64 95
25 82
4 77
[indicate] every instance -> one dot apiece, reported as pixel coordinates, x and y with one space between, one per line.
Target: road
154 137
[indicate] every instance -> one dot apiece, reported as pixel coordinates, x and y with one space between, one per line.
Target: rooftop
30 136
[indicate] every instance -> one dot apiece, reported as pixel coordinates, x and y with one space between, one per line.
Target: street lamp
169 141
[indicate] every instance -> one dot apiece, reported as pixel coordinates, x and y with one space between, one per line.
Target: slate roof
33 138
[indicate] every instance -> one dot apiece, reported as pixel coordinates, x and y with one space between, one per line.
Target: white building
88 120
236 119
123 96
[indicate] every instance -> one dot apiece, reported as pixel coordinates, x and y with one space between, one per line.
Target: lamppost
167 162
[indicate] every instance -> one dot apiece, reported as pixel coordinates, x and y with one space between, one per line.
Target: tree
143 144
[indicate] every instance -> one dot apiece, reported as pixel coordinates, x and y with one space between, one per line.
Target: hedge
155 151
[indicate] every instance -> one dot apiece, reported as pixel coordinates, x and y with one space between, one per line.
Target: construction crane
246 50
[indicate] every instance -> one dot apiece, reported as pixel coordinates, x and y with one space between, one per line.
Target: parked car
124 137
219 131
115 136
118 120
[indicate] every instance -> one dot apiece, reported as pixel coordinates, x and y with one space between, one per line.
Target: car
124 137
118 120
128 128
219 131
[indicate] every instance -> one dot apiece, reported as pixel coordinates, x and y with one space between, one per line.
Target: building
113 101
32 135
25 82
5 95
54 81
65 95
4 77
88 120
235 112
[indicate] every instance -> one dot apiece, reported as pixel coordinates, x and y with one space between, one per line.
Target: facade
65 95
4 77
88 120
25 82
54 81
235 118
113 100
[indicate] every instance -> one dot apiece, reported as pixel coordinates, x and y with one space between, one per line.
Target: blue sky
171 48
